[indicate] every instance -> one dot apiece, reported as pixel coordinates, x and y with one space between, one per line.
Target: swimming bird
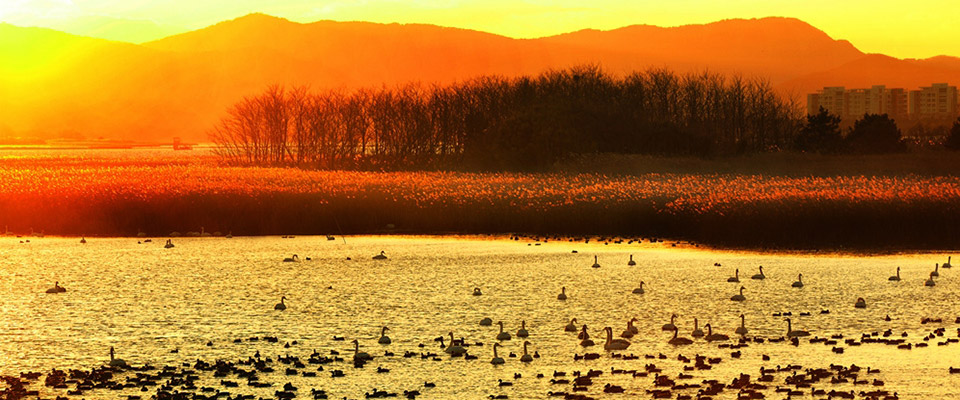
947 264
357 354
632 263
84 240
936 270
381 256
496 359
799 282
742 330
116 362
56 288
795 333
522 332
670 326
735 277
631 330
384 339
596 263
488 322
760 275
585 338
502 335
639 290
563 293
739 297
930 281
452 349
571 327
280 305
895 277
614 344
169 244
295 258
861 303
526 357
477 292
678 341
713 337
697 332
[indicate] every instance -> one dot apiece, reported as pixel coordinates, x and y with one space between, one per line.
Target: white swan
571 327
735 277
678 341
116 362
522 332
632 263
563 293
936 270
795 333
697 332
639 290
760 275
596 262
714 337
486 322
496 359
56 288
861 303
930 281
84 240
453 349
614 344
502 335
280 305
359 355
526 357
169 244
670 326
585 337
381 256
947 264
895 277
799 282
739 297
295 258
384 339
630 331
742 330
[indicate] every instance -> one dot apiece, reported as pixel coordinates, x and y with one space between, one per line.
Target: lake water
146 301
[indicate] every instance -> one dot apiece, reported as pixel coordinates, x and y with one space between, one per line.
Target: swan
678 341
936 270
280 305
596 263
381 256
947 264
563 293
116 362
614 344
895 277
56 288
632 263
760 275
739 297
502 335
477 292
713 337
488 322
631 327
735 277
639 290
861 303
795 333
697 332
526 357
585 338
522 332
496 359
630 331
84 240
295 258
357 354
670 326
742 330
452 349
169 244
799 282
571 327
930 281
384 339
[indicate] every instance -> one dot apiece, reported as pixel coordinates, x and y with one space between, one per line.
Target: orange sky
902 29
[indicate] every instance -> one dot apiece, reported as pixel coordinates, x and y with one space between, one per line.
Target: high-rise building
832 99
852 104
935 101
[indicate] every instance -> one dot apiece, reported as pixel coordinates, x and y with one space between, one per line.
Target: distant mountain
53 84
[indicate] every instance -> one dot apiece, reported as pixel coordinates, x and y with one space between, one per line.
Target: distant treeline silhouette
503 123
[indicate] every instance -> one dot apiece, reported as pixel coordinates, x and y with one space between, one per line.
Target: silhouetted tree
953 141
875 134
821 133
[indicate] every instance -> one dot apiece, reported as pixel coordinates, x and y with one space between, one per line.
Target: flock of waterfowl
203 380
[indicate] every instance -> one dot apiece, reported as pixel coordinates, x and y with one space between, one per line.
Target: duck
639 290
280 305
295 258
799 282
632 263
739 297
384 339
895 277
697 332
936 270
735 277
714 337
571 327
760 275
947 264
116 362
563 293
614 344
57 288
487 322
795 333
678 341
502 335
526 357
631 330
930 281
596 262
357 354
477 292
585 338
670 326
522 332
742 330
497 360
861 303
381 256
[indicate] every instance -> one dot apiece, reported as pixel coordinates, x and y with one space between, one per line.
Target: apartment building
937 101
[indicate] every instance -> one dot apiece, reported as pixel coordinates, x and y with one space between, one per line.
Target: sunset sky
902 29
